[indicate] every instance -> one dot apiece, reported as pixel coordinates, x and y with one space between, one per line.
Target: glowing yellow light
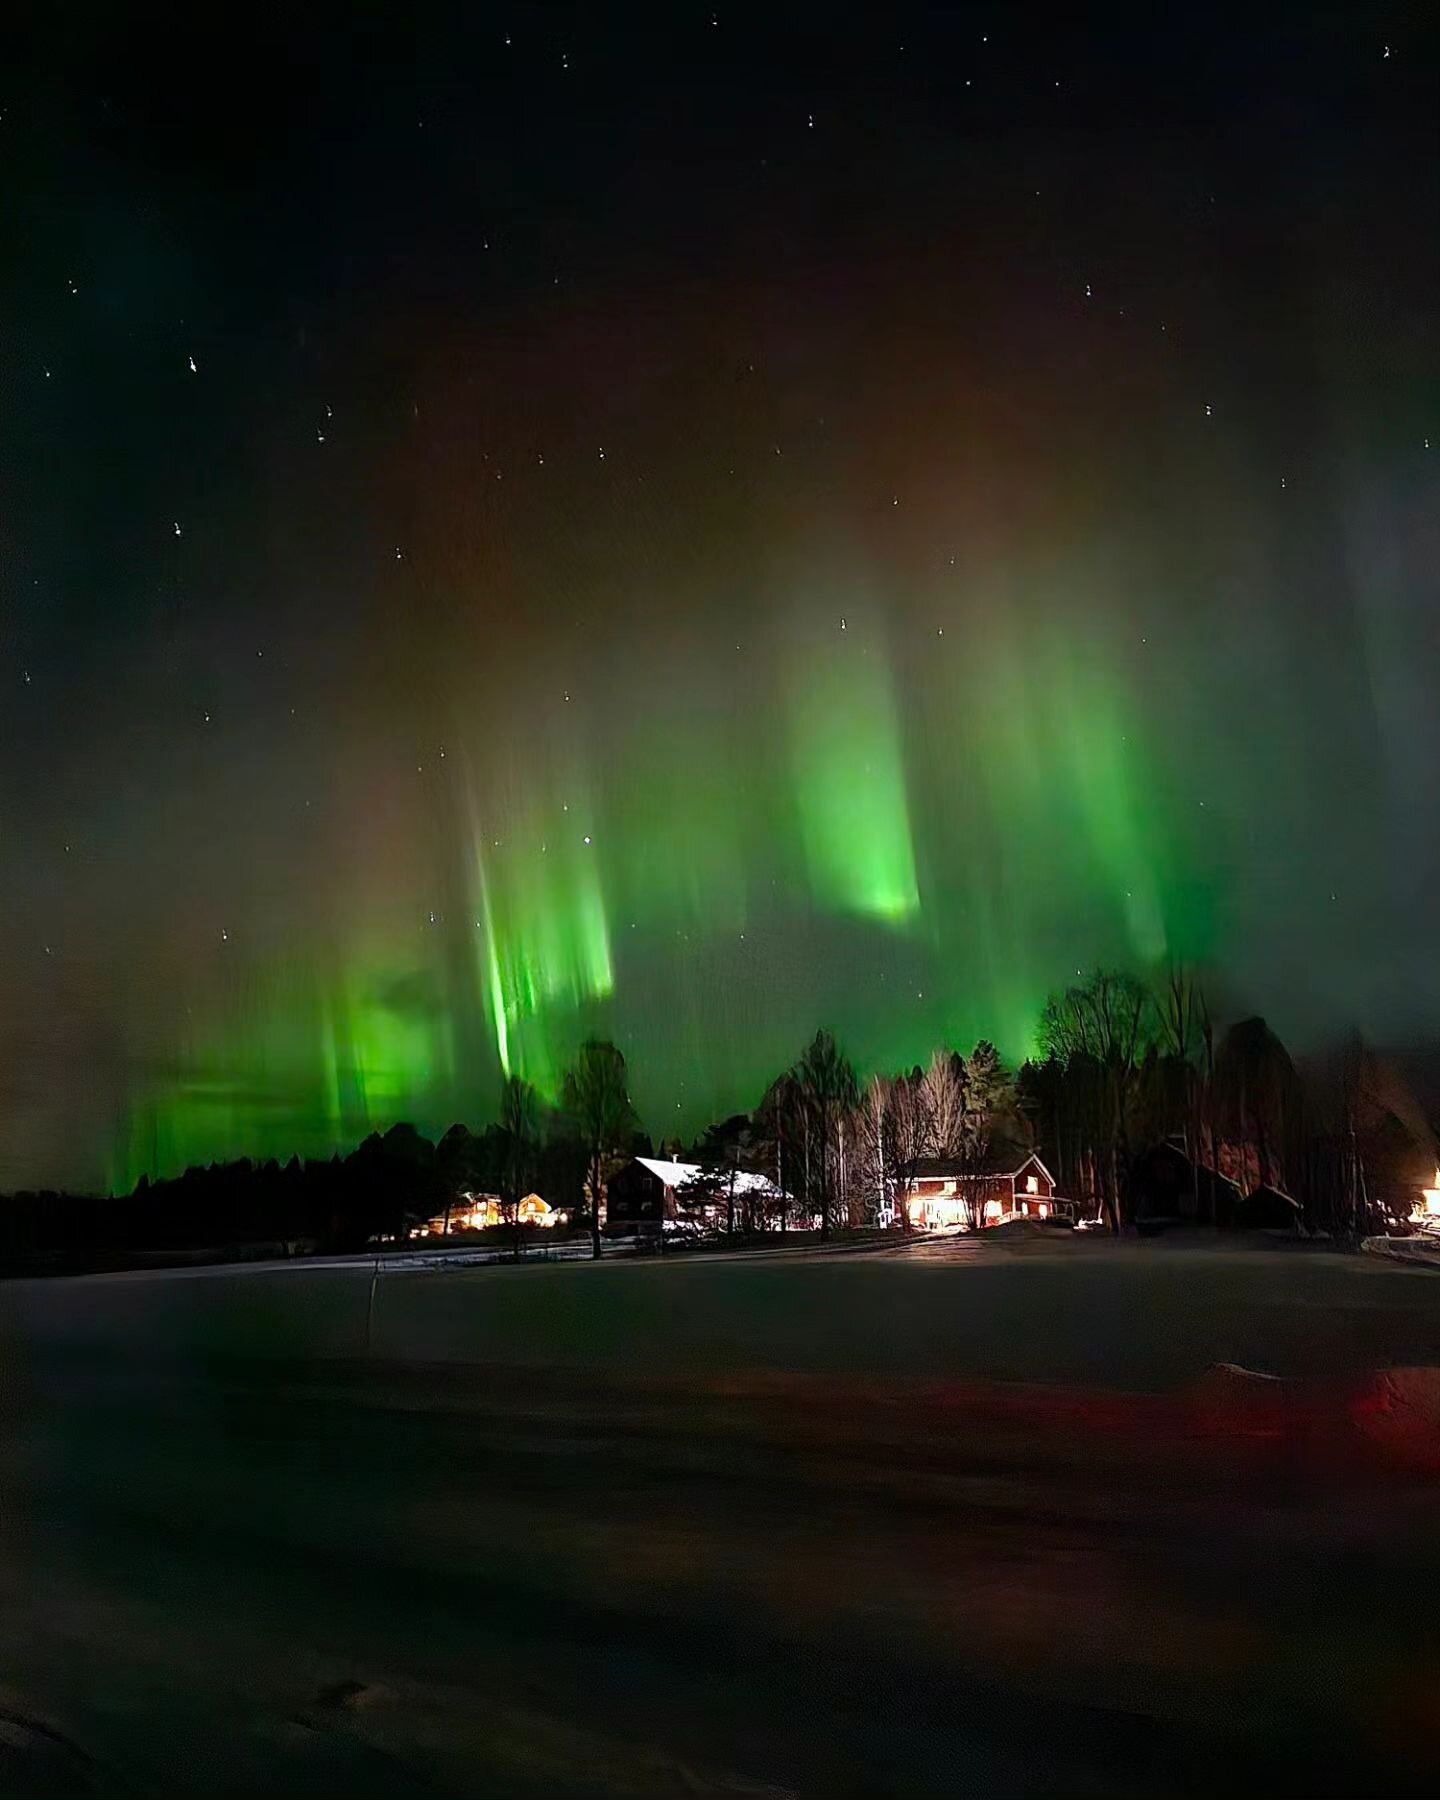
993 1210
1032 1184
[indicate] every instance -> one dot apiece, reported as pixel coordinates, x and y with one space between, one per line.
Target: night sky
694 524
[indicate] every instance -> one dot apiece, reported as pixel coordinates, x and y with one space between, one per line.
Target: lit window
1032 1184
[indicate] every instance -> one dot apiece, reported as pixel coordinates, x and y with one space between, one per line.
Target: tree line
1122 1064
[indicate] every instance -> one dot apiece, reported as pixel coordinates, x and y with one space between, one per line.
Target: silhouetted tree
941 1102
827 1082
728 1147
520 1127
597 1097
458 1159
1105 1023
910 1132
778 1125
1257 1096
871 1117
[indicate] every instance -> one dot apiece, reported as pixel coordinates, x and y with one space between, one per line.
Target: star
178 531
193 369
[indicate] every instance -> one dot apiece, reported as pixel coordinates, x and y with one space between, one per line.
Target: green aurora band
964 839
850 791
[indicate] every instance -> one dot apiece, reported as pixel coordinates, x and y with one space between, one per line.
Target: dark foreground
737 1528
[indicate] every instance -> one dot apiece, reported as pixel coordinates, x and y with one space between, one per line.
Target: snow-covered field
939 1521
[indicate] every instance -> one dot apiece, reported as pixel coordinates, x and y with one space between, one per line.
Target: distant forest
1125 1065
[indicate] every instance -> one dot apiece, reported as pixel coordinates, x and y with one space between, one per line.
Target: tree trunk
595 1209
826 1195
809 1190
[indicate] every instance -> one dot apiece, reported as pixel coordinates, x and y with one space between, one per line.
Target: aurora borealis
693 530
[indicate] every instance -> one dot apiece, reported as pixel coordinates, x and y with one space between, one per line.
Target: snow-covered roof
673 1174
688 1174
1004 1160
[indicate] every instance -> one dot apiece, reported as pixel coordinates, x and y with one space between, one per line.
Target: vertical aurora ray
848 776
1110 807
544 950
1075 813
492 979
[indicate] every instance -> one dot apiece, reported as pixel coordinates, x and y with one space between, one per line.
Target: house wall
934 1204
1027 1204
939 1201
635 1201
990 1190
